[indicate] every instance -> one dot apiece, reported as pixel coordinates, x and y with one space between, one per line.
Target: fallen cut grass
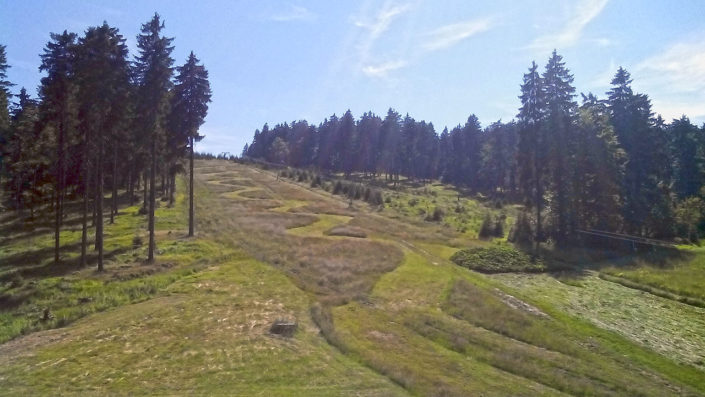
419 364
670 328
682 278
421 313
497 259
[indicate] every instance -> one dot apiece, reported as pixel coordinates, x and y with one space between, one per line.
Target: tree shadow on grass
39 264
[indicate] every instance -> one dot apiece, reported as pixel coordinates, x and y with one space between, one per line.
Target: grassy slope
684 277
403 318
206 332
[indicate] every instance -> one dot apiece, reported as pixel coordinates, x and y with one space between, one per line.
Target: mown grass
665 326
684 278
466 314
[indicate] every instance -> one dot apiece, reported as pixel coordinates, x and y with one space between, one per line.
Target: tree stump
284 328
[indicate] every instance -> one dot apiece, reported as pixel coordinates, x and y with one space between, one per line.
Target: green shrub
316 182
498 227
354 191
487 229
497 259
338 188
413 201
436 215
498 230
521 233
375 197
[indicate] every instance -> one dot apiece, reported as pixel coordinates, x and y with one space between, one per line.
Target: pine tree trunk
96 200
152 177
539 199
113 209
99 209
144 191
84 229
172 188
59 191
95 197
190 189
131 184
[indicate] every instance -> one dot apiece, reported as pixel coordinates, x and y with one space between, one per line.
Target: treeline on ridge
606 164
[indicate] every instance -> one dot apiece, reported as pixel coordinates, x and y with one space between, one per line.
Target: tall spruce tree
154 70
57 94
5 96
390 136
192 93
597 169
532 145
103 80
686 143
559 125
646 208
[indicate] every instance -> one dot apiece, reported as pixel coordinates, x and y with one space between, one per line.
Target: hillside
381 309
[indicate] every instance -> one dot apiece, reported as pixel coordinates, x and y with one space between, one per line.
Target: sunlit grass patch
685 278
421 365
317 228
663 325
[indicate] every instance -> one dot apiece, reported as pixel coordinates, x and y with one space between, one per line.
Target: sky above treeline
440 61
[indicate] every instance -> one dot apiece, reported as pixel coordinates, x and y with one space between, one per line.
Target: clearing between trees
380 307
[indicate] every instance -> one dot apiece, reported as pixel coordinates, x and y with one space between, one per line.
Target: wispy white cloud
572 30
381 21
381 70
449 35
375 26
675 79
293 13
681 66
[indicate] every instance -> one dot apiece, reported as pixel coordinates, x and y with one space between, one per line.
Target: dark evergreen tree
598 169
192 93
58 91
153 68
5 96
646 209
346 143
533 151
499 151
103 80
22 152
389 137
368 131
559 125
686 144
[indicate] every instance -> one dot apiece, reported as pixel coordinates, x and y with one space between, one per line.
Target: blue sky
274 61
